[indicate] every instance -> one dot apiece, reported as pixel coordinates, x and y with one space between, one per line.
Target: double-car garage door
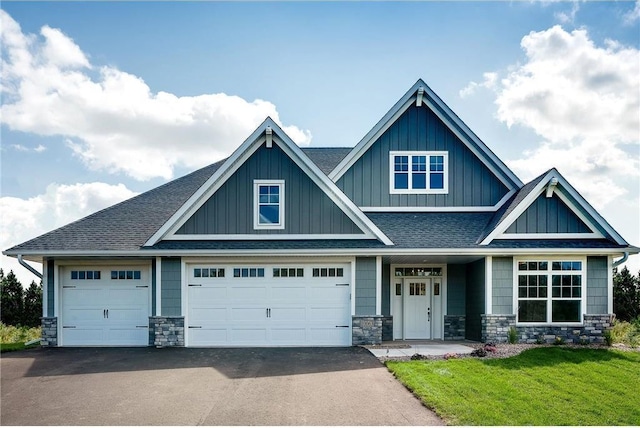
226 305
269 305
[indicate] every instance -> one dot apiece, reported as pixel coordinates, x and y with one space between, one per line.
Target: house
417 232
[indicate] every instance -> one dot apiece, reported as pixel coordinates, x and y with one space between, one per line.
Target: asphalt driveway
176 386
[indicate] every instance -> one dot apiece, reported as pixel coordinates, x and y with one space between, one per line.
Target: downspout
31 269
624 258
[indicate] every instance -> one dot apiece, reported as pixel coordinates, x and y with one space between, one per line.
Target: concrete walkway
407 348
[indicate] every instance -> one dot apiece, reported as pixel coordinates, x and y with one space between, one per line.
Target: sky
104 100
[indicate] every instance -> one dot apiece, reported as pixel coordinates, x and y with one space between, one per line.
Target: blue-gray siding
475 298
365 286
50 287
548 215
597 277
456 284
471 183
308 210
386 290
154 285
502 289
171 279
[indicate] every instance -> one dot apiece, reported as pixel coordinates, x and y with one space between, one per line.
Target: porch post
488 284
379 285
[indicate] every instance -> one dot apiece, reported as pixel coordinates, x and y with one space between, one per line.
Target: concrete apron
407 348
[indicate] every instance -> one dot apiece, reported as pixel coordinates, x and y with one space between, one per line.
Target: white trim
262 237
488 284
184 296
353 287
344 252
553 175
609 284
242 153
450 209
550 236
378 285
256 204
45 288
56 302
502 172
158 286
428 190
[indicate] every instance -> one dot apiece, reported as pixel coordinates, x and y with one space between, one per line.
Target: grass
541 386
13 338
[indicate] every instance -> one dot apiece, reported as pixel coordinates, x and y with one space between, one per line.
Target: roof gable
421 95
271 134
533 212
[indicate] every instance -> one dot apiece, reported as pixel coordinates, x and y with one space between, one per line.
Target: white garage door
105 306
283 305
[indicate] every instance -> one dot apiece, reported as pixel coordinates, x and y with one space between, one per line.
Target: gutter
624 258
28 267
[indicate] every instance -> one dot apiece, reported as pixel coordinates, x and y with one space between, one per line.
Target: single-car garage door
105 306
268 305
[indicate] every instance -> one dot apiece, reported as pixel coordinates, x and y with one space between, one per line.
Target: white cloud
488 82
584 101
633 15
568 17
110 118
21 148
23 219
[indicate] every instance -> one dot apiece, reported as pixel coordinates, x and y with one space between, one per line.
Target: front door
417 309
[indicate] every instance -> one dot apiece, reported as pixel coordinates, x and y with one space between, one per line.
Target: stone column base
454 327
366 330
49 331
166 331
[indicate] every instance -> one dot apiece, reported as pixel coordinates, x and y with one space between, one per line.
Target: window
125 274
288 272
550 291
418 172
327 272
268 201
85 274
208 272
248 272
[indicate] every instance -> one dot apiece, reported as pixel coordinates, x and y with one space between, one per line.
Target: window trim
427 190
550 298
256 204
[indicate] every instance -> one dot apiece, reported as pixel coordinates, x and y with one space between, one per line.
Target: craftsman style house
417 232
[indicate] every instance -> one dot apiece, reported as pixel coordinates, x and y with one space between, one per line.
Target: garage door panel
263 311
83 336
126 335
82 296
83 315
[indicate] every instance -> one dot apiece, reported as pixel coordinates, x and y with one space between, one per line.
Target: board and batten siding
548 215
502 287
171 284
365 286
456 285
471 183
50 287
308 210
597 277
475 298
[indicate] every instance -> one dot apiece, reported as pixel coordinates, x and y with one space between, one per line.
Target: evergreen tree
32 305
11 299
626 295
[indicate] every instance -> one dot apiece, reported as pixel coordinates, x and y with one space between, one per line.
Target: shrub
12 334
627 333
513 335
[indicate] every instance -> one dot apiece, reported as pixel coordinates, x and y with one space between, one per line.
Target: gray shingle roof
326 158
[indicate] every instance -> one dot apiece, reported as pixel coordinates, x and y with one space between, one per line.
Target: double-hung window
550 291
418 172
268 204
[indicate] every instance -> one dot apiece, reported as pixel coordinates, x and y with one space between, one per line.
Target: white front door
417 309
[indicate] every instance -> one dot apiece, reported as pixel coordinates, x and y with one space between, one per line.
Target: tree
626 295
32 305
11 298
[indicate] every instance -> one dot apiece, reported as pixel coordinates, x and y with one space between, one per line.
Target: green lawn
541 386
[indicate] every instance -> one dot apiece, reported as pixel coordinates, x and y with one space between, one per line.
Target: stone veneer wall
166 331
454 327
495 328
387 329
49 331
366 330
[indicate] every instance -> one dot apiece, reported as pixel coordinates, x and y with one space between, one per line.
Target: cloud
584 101
23 219
568 17
488 82
633 15
20 148
111 119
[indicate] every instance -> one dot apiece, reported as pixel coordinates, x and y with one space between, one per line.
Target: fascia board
226 170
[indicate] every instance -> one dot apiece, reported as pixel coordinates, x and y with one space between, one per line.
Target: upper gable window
418 172
268 204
